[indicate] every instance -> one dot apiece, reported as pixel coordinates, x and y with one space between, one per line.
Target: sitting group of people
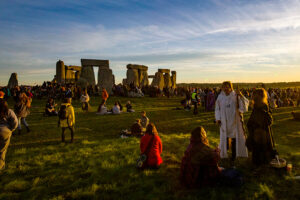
116 109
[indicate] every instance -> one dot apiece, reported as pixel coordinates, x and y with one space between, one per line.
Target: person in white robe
228 116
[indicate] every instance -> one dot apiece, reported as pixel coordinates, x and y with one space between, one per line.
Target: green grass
101 165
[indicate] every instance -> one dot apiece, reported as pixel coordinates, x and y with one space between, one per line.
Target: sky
204 41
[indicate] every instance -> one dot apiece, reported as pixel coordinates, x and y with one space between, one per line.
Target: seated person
120 105
154 150
144 121
296 115
50 108
116 109
102 109
199 164
136 128
129 107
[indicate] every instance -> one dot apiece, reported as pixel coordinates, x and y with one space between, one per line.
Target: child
66 118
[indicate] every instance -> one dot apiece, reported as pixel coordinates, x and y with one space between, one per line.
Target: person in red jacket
153 156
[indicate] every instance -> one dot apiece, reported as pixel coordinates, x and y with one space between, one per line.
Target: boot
27 128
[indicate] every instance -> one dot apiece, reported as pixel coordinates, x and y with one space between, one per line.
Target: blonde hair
260 97
228 83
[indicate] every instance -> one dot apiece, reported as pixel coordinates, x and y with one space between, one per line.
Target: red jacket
154 158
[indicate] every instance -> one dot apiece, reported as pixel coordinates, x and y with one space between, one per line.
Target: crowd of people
207 97
199 164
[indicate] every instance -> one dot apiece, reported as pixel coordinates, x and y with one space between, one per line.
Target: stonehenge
84 75
136 74
13 81
162 79
67 74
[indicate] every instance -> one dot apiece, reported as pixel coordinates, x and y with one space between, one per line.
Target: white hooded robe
225 111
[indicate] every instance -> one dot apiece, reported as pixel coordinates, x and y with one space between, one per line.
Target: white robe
225 111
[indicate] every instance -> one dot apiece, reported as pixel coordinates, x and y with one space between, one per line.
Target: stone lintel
94 62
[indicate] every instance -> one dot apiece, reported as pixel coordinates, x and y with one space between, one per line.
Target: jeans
23 120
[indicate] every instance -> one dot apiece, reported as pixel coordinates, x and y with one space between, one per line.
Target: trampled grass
101 165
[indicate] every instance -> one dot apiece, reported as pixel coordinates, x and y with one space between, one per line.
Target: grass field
101 165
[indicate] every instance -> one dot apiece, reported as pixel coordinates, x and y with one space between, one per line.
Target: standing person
85 101
260 139
195 101
104 95
66 118
230 106
154 149
144 121
22 111
8 123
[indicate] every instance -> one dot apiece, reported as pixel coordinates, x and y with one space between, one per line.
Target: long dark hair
151 129
3 108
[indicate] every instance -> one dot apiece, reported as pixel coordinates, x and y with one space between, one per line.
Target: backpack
62 113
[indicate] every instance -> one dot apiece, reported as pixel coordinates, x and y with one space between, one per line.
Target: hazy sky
204 41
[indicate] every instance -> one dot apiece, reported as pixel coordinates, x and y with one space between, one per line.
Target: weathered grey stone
173 79
124 81
135 66
94 62
87 73
133 77
106 79
167 79
60 72
82 82
158 81
144 81
164 71
13 81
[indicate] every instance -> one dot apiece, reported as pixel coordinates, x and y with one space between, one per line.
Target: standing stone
13 81
133 77
82 82
144 81
173 78
106 79
87 73
70 76
167 79
158 80
60 71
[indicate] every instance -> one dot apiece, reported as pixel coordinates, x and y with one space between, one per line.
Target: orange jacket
104 94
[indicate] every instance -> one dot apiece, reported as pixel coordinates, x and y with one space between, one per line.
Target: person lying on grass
151 138
199 165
